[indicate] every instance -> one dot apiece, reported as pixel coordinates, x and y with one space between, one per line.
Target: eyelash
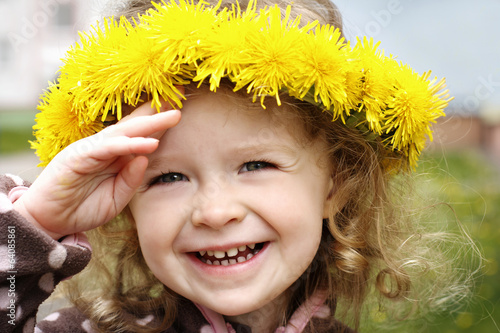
264 164
157 180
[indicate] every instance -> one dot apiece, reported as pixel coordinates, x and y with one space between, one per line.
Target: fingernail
167 112
151 140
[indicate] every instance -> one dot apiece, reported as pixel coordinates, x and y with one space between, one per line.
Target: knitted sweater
32 264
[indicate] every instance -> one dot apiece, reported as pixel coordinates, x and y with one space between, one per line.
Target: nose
218 209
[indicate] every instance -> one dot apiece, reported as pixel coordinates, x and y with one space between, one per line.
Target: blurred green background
15 131
467 183
468 180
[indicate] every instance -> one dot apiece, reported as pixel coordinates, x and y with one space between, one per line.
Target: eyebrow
261 148
156 162
243 149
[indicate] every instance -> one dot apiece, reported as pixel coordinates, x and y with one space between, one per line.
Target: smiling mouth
230 257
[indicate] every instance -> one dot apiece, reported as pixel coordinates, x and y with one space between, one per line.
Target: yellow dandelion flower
416 103
178 28
354 80
414 151
58 124
115 66
137 69
225 47
376 81
85 64
273 53
323 65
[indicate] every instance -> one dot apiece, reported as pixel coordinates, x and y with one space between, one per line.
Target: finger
121 146
110 155
129 138
128 180
144 125
146 108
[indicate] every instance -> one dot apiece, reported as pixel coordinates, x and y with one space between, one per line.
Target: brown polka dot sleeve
31 263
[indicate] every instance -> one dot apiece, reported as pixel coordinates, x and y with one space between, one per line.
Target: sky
456 39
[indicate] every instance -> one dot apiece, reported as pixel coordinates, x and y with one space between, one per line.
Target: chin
240 309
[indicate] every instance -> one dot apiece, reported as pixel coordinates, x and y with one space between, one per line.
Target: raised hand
93 179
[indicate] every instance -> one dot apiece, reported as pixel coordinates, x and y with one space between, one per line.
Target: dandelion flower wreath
262 51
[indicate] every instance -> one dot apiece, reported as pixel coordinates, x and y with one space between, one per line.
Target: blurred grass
470 183
16 131
466 186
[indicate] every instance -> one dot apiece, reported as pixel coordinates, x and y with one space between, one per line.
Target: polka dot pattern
16 179
206 329
4 259
4 298
52 317
87 327
40 264
5 204
19 313
46 283
57 257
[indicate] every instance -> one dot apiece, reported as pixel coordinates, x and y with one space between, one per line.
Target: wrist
20 207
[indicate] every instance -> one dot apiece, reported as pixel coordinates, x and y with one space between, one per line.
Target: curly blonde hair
370 240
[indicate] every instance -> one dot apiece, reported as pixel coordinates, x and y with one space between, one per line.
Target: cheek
156 240
300 227
299 211
298 220
303 238
299 250
156 228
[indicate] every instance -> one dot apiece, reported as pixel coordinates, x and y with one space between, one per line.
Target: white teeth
227 262
232 252
219 254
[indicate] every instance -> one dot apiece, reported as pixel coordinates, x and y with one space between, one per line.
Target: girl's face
230 211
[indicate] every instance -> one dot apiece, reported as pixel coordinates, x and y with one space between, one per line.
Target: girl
250 210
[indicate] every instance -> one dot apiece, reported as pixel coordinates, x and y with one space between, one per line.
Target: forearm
31 263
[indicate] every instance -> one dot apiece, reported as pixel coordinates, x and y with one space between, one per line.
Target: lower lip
238 268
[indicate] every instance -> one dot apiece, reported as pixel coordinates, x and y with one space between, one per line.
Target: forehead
227 112
238 108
